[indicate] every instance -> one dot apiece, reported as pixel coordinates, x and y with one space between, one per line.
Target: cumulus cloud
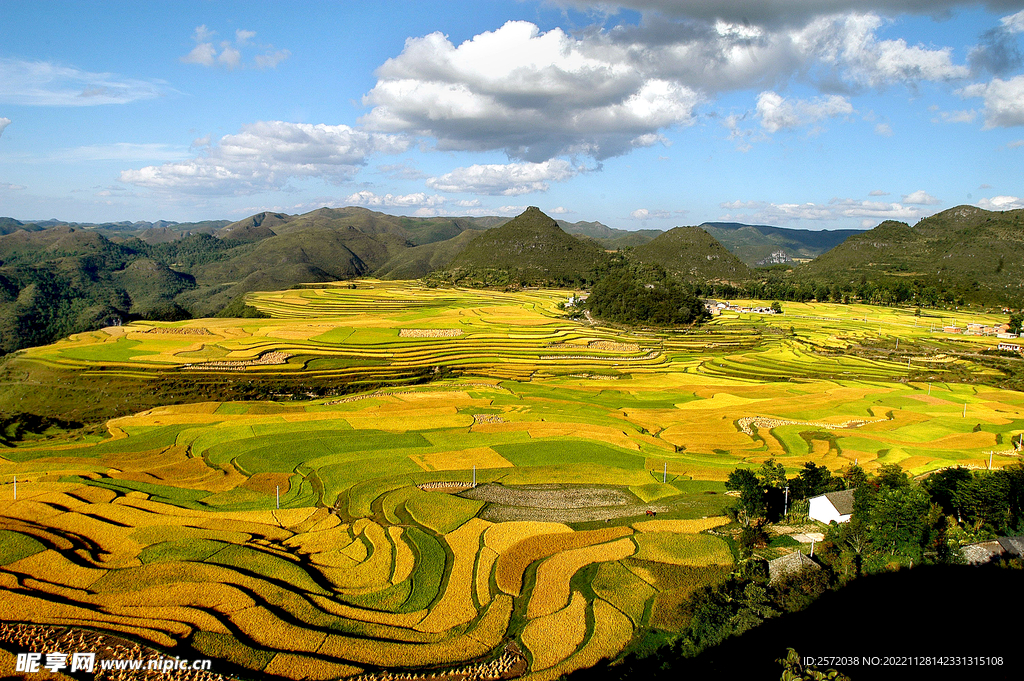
230 57
777 113
960 116
778 11
510 179
644 214
1002 203
534 95
39 83
368 198
921 198
1004 101
123 151
835 209
560 210
266 155
998 51
538 95
4 122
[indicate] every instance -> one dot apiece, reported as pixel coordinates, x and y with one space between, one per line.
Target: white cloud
38 83
8 187
1015 143
402 171
1004 101
644 214
560 210
883 130
231 57
777 113
921 198
878 192
368 198
1013 23
204 54
511 179
123 151
4 122
1002 203
270 59
836 209
534 95
777 11
600 93
960 116
266 155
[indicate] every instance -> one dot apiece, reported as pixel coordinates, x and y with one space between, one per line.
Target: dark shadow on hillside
928 611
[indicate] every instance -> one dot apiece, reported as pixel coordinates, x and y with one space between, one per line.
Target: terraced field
304 539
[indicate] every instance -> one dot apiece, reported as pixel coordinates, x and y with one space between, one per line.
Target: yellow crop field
329 522
456 605
511 564
461 460
612 631
551 591
502 536
681 526
683 549
555 637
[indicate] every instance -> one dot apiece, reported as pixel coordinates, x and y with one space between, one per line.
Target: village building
1011 347
986 551
789 564
832 506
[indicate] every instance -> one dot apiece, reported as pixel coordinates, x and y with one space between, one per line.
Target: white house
837 506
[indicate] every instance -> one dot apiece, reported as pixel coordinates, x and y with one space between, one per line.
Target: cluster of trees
895 519
645 294
774 286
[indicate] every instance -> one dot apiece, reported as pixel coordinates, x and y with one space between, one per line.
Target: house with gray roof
789 564
1000 547
832 506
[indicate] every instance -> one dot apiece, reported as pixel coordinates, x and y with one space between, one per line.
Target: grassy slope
693 254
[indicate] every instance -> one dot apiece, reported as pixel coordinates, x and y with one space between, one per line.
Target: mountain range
60 278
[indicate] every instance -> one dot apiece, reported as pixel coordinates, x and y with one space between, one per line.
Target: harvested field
429 333
555 637
558 503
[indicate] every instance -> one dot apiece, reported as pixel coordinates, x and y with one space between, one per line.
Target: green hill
692 254
530 249
964 251
754 244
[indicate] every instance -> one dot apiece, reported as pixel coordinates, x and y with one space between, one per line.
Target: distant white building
837 506
1012 347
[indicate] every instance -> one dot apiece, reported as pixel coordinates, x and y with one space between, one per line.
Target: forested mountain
693 255
964 252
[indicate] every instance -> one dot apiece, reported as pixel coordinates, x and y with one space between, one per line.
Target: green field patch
266 565
232 408
175 496
623 589
15 546
182 549
121 350
337 477
226 647
568 452
682 549
653 490
429 571
441 512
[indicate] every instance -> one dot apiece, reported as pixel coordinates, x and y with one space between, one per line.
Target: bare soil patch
558 503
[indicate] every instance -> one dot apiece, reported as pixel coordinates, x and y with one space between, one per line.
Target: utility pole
474 475
785 508
812 548
965 410
15 487
664 473
279 497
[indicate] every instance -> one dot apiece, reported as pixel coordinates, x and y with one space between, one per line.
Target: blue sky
816 114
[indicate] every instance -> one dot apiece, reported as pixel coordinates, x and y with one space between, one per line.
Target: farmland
321 546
